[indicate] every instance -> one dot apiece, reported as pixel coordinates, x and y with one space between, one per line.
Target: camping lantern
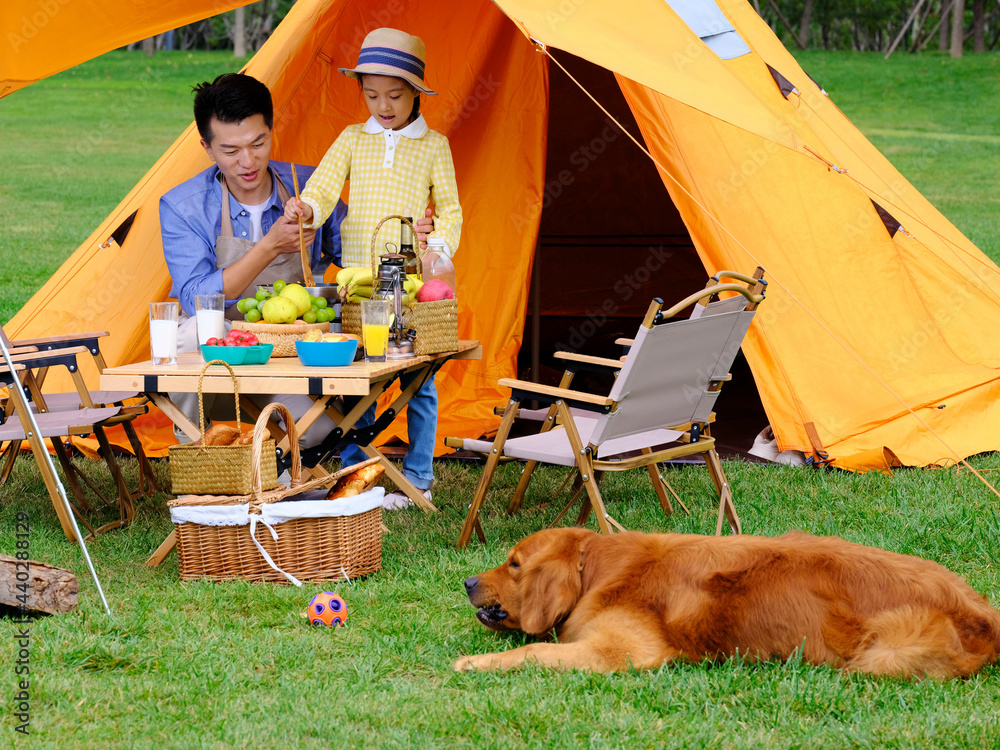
389 285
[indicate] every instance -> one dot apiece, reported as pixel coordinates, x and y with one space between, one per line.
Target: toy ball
327 608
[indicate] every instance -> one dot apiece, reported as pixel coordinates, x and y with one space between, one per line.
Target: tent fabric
44 37
868 344
499 170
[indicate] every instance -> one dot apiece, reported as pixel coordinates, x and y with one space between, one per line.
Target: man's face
242 152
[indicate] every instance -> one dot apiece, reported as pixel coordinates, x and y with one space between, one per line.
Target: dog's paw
475 663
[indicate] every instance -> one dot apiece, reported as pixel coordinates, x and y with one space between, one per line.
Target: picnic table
288 375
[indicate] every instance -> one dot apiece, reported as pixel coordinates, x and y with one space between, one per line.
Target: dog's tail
915 641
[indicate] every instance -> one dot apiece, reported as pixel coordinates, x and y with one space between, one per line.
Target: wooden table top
277 375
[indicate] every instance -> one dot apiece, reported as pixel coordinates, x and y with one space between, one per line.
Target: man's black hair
231 98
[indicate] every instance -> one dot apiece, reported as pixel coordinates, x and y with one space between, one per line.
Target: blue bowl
238 355
326 353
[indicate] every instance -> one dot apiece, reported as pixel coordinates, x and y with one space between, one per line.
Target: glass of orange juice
375 328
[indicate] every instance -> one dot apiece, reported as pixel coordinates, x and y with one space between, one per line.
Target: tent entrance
610 240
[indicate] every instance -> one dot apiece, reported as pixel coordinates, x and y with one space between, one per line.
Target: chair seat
59 424
553 447
70 401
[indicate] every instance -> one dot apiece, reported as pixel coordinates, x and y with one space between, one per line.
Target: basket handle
260 433
416 245
201 398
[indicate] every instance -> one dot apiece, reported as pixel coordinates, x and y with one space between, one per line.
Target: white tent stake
25 411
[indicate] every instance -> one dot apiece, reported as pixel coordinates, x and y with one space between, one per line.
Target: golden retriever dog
640 600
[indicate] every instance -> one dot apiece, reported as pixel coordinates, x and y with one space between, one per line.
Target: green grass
191 665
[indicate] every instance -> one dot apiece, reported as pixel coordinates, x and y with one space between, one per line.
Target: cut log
36 586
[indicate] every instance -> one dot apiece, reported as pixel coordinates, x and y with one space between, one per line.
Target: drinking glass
163 332
210 309
375 328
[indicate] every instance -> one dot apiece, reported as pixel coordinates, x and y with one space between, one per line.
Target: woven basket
219 469
436 323
316 549
282 335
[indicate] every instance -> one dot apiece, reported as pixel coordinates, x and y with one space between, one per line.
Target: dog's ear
552 583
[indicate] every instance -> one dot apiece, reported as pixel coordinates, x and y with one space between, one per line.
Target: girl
395 164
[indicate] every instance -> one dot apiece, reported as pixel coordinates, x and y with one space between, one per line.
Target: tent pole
536 311
17 393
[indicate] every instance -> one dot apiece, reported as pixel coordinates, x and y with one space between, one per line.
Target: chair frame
588 467
32 363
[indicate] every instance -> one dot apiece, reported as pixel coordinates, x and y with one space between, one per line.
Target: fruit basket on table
436 322
283 316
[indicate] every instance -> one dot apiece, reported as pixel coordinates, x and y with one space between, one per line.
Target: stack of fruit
288 303
357 284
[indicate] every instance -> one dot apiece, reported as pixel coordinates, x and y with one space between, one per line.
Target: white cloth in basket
307 505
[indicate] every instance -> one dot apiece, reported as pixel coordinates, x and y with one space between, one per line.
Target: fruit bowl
326 353
238 355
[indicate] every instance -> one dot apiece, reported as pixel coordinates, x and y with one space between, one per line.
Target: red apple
434 290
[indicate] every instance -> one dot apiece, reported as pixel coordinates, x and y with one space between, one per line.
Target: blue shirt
191 221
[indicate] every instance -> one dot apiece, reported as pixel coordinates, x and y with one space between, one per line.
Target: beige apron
229 249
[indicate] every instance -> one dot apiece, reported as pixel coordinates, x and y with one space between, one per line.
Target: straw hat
390 52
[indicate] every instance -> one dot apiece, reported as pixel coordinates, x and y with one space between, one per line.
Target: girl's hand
424 227
295 208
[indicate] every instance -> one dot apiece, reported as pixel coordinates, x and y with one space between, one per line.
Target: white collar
416 129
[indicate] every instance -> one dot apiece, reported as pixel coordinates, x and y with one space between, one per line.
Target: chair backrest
672 371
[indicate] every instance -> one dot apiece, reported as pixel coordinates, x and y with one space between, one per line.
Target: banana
344 275
360 291
347 278
417 283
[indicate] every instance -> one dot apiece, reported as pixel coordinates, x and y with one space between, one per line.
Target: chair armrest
35 359
587 362
61 342
550 394
625 342
52 343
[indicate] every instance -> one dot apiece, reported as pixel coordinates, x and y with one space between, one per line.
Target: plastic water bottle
436 263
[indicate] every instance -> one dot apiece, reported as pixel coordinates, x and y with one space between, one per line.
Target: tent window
784 84
891 225
705 19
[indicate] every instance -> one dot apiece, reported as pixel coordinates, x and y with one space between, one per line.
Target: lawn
197 665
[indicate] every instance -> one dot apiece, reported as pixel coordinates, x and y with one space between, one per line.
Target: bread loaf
221 434
356 482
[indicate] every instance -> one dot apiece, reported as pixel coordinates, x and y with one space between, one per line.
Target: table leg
176 416
163 550
397 478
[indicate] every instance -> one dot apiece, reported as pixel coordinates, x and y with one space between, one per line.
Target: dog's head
537 586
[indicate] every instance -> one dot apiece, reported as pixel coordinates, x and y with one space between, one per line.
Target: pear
280 309
298 295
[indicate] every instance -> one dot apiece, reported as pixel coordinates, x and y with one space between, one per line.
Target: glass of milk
163 332
210 310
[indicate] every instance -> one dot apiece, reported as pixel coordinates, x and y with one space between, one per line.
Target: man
224 230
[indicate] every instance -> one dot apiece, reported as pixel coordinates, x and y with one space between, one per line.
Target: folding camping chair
658 409
76 414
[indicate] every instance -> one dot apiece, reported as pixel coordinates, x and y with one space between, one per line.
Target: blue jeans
421 428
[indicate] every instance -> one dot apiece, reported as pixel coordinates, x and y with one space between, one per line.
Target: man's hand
295 208
424 227
283 237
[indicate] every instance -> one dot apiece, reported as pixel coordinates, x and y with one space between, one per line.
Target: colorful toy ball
327 608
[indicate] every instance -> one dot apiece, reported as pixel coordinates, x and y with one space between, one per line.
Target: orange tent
867 347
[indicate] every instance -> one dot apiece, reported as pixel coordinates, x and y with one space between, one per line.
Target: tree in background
880 25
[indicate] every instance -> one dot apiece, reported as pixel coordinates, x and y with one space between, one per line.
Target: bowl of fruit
327 349
282 314
237 348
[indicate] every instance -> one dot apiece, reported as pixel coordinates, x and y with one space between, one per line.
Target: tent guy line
775 280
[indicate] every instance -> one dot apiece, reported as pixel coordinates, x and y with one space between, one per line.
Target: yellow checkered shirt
420 165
